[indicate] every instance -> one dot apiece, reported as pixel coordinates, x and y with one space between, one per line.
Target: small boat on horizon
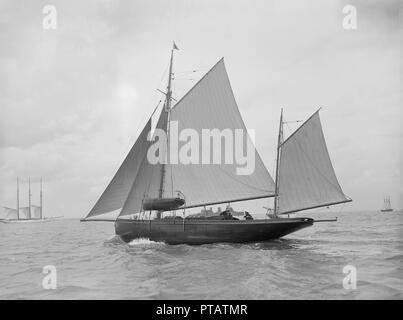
141 192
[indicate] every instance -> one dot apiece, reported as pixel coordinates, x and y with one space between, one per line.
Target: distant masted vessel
304 177
387 207
24 214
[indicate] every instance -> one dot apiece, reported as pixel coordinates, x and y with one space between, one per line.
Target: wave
113 240
144 242
397 257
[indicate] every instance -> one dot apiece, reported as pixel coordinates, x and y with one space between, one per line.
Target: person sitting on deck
247 216
226 214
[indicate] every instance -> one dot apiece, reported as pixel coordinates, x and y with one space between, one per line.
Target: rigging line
187 71
289 127
155 96
155 109
163 75
245 184
138 127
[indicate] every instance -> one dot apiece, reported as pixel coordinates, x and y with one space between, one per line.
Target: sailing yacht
141 192
387 207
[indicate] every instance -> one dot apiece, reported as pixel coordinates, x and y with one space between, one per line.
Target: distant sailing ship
139 190
387 207
24 214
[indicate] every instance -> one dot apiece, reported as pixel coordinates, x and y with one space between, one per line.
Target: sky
73 99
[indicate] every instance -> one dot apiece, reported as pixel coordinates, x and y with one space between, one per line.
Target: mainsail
209 105
306 175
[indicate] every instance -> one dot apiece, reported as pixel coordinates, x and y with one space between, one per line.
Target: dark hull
387 210
164 204
194 231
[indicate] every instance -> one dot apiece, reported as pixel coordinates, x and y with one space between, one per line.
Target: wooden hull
196 232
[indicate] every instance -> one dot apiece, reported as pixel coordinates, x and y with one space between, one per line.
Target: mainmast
167 108
279 142
18 200
29 198
169 90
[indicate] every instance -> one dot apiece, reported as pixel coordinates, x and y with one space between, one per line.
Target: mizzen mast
279 142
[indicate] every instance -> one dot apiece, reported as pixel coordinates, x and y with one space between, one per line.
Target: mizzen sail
306 175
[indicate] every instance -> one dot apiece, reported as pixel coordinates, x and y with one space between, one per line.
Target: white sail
210 104
306 175
116 193
35 212
147 183
9 213
24 213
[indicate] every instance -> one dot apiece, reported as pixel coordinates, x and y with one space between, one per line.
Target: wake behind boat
142 190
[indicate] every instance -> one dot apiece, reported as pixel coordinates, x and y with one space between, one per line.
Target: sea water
358 257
